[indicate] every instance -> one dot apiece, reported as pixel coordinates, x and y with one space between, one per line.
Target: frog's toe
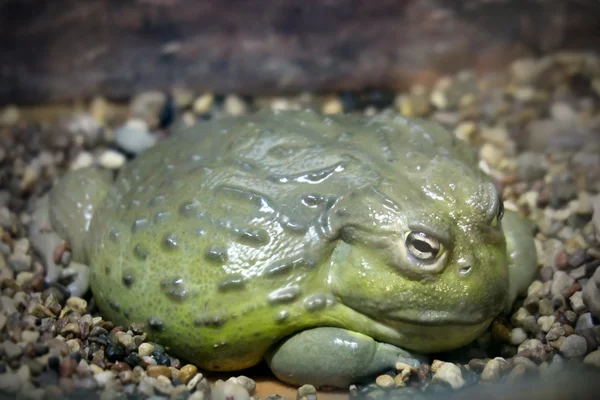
44 239
80 285
334 357
522 255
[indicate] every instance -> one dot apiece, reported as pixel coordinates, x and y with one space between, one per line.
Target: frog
329 248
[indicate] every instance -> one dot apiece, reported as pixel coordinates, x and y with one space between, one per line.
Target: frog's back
219 232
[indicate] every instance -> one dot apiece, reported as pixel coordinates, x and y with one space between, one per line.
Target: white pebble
228 390
577 303
104 378
145 349
234 105
517 336
332 105
203 104
111 159
83 160
134 136
450 374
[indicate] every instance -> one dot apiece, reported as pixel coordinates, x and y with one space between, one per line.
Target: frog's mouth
431 317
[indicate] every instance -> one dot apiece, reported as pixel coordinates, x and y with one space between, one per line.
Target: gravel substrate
536 127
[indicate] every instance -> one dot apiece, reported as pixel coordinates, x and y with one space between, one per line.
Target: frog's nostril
465 269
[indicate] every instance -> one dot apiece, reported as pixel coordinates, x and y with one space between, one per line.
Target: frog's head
423 253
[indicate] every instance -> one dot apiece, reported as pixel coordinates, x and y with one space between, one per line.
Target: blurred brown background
61 50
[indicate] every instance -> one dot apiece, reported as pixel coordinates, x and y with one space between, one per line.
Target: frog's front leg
64 215
334 357
521 253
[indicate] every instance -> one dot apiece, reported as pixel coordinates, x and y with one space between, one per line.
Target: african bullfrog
331 247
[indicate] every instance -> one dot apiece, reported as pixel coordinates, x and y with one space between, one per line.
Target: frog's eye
499 215
422 246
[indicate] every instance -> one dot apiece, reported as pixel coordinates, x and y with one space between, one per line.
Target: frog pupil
423 246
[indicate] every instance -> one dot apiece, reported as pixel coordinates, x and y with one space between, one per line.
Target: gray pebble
593 359
9 382
11 350
545 306
577 304
578 273
491 372
19 262
573 346
555 332
134 137
591 294
530 365
561 284
596 217
532 166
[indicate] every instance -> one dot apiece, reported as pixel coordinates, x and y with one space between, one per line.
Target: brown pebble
120 366
72 329
477 364
385 381
561 260
158 370
187 372
575 288
67 367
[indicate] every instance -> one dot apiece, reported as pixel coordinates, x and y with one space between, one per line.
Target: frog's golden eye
422 246
500 213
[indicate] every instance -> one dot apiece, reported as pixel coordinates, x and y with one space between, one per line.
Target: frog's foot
44 240
522 255
334 358
62 217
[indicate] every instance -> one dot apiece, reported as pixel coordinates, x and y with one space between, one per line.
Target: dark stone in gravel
75 356
47 378
98 331
114 352
161 357
508 351
54 363
133 359
577 258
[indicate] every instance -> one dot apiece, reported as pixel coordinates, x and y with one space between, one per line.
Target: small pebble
385 381
134 136
203 104
158 370
573 346
228 391
187 372
517 336
593 359
83 160
450 374
307 392
332 105
235 105
491 372
145 349
111 159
